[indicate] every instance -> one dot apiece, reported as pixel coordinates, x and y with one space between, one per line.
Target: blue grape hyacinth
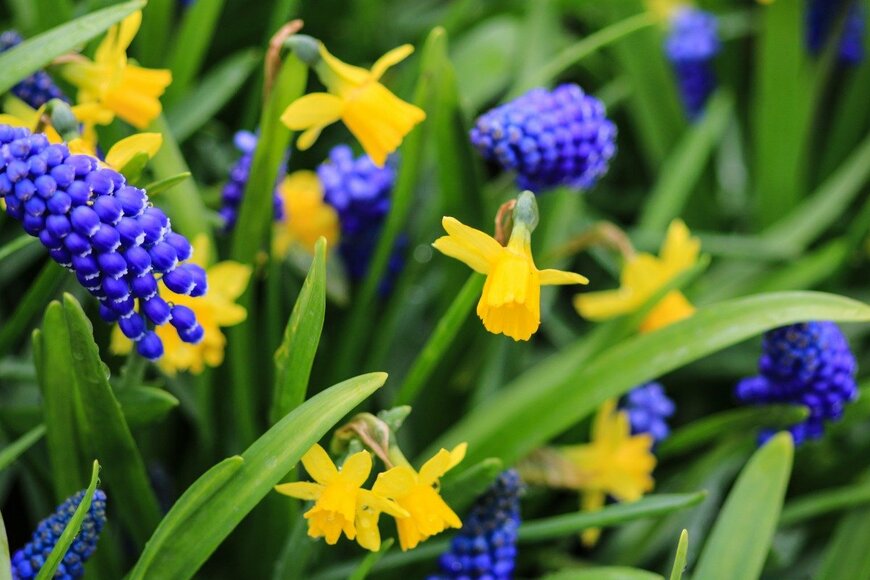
807 364
234 189
37 89
27 561
361 194
648 409
486 547
104 231
550 138
821 22
691 45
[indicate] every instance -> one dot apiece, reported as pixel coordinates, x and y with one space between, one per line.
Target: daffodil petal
357 467
679 250
605 304
340 73
441 463
466 244
300 490
390 59
319 465
308 137
313 110
382 504
229 279
124 150
395 482
558 277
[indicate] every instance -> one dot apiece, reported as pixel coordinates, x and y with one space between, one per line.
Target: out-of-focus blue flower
691 45
807 364
38 88
27 561
648 409
550 138
485 547
104 231
234 190
821 21
361 193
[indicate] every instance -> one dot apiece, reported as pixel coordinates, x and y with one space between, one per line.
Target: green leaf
541 36
680 558
71 530
295 357
712 428
105 431
460 491
489 46
372 558
52 13
756 500
47 283
153 36
35 53
166 184
685 165
187 51
847 556
145 405
604 573
199 105
133 169
439 342
5 562
196 525
824 502
509 426
17 244
12 451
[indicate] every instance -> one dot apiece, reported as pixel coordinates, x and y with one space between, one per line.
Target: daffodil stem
441 339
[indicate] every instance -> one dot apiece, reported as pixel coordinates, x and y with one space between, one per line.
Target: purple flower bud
85 220
150 346
192 335
60 203
163 257
179 280
157 310
182 247
79 192
138 260
144 287
112 264
116 289
106 239
183 318
133 326
108 209
132 200
77 244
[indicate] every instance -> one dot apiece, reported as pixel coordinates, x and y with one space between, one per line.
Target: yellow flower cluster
341 506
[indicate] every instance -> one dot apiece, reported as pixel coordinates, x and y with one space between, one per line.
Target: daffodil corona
308 216
511 300
376 117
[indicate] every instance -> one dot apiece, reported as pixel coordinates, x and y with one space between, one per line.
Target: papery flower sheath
376 117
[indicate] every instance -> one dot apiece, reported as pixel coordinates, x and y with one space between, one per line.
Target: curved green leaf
604 573
847 555
5 563
12 451
680 559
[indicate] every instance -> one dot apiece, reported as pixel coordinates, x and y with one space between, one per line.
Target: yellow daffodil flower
642 277
614 463
307 216
341 505
511 300
113 84
417 493
376 117
663 9
226 282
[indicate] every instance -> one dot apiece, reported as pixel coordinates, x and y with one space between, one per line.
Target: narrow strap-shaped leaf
295 357
741 537
460 491
5 562
847 556
372 558
824 502
153 37
18 243
14 450
680 558
194 528
71 531
166 183
105 430
37 52
509 426
44 287
144 405
604 573
188 49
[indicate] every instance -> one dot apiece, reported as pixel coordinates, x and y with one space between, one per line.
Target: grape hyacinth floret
485 547
807 364
104 231
821 20
27 561
234 190
550 138
38 88
691 45
648 409
360 192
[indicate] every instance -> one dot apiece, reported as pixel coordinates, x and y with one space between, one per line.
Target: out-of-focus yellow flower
417 493
663 9
341 505
643 276
376 117
306 216
113 84
226 282
511 300
614 463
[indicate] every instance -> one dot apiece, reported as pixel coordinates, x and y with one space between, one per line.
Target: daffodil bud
306 48
62 119
526 211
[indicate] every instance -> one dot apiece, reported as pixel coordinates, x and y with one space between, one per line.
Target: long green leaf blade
5 562
680 558
847 555
12 451
188 50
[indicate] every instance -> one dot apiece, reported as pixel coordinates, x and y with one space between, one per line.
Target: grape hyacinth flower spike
37 89
648 409
485 547
550 138
104 231
821 21
691 45
27 561
807 364
234 190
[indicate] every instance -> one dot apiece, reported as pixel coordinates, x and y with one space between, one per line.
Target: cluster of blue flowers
27 561
648 409
691 45
550 138
821 22
485 547
807 364
234 190
38 88
360 192
105 231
